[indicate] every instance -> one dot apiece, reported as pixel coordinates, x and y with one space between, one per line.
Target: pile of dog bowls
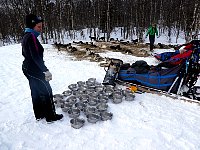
88 100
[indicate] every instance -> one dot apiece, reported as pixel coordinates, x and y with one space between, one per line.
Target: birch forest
100 16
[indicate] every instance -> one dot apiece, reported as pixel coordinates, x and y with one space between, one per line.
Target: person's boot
54 118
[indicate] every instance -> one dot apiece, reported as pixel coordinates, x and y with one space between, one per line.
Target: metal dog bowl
109 87
97 84
80 83
103 99
82 88
94 94
71 100
56 99
99 89
66 106
108 92
80 105
88 83
77 123
89 91
117 98
106 116
102 107
83 98
73 87
64 109
59 96
58 102
129 96
67 93
93 80
92 101
92 86
118 91
73 112
92 118
78 92
90 110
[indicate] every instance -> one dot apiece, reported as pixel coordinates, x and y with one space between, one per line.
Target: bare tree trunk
196 20
178 22
108 20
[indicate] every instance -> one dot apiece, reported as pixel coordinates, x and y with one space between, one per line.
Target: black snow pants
151 40
41 93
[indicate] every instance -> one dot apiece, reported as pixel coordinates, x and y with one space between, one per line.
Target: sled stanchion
172 85
180 86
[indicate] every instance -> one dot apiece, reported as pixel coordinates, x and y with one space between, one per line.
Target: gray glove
48 76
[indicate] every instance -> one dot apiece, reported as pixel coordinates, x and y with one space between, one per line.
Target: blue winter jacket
32 51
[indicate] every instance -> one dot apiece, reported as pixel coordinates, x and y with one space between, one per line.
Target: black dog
92 38
160 45
102 38
111 39
135 41
117 47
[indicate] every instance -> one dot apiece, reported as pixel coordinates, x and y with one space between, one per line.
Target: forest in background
66 17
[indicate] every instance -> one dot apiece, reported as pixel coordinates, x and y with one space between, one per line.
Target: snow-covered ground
150 122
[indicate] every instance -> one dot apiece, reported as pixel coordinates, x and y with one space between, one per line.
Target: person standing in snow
36 72
152 32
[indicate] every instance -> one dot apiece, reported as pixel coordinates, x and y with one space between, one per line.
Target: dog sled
178 79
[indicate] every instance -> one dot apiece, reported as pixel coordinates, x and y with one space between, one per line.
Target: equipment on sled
156 77
179 56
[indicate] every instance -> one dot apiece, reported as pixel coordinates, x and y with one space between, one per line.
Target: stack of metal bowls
90 99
